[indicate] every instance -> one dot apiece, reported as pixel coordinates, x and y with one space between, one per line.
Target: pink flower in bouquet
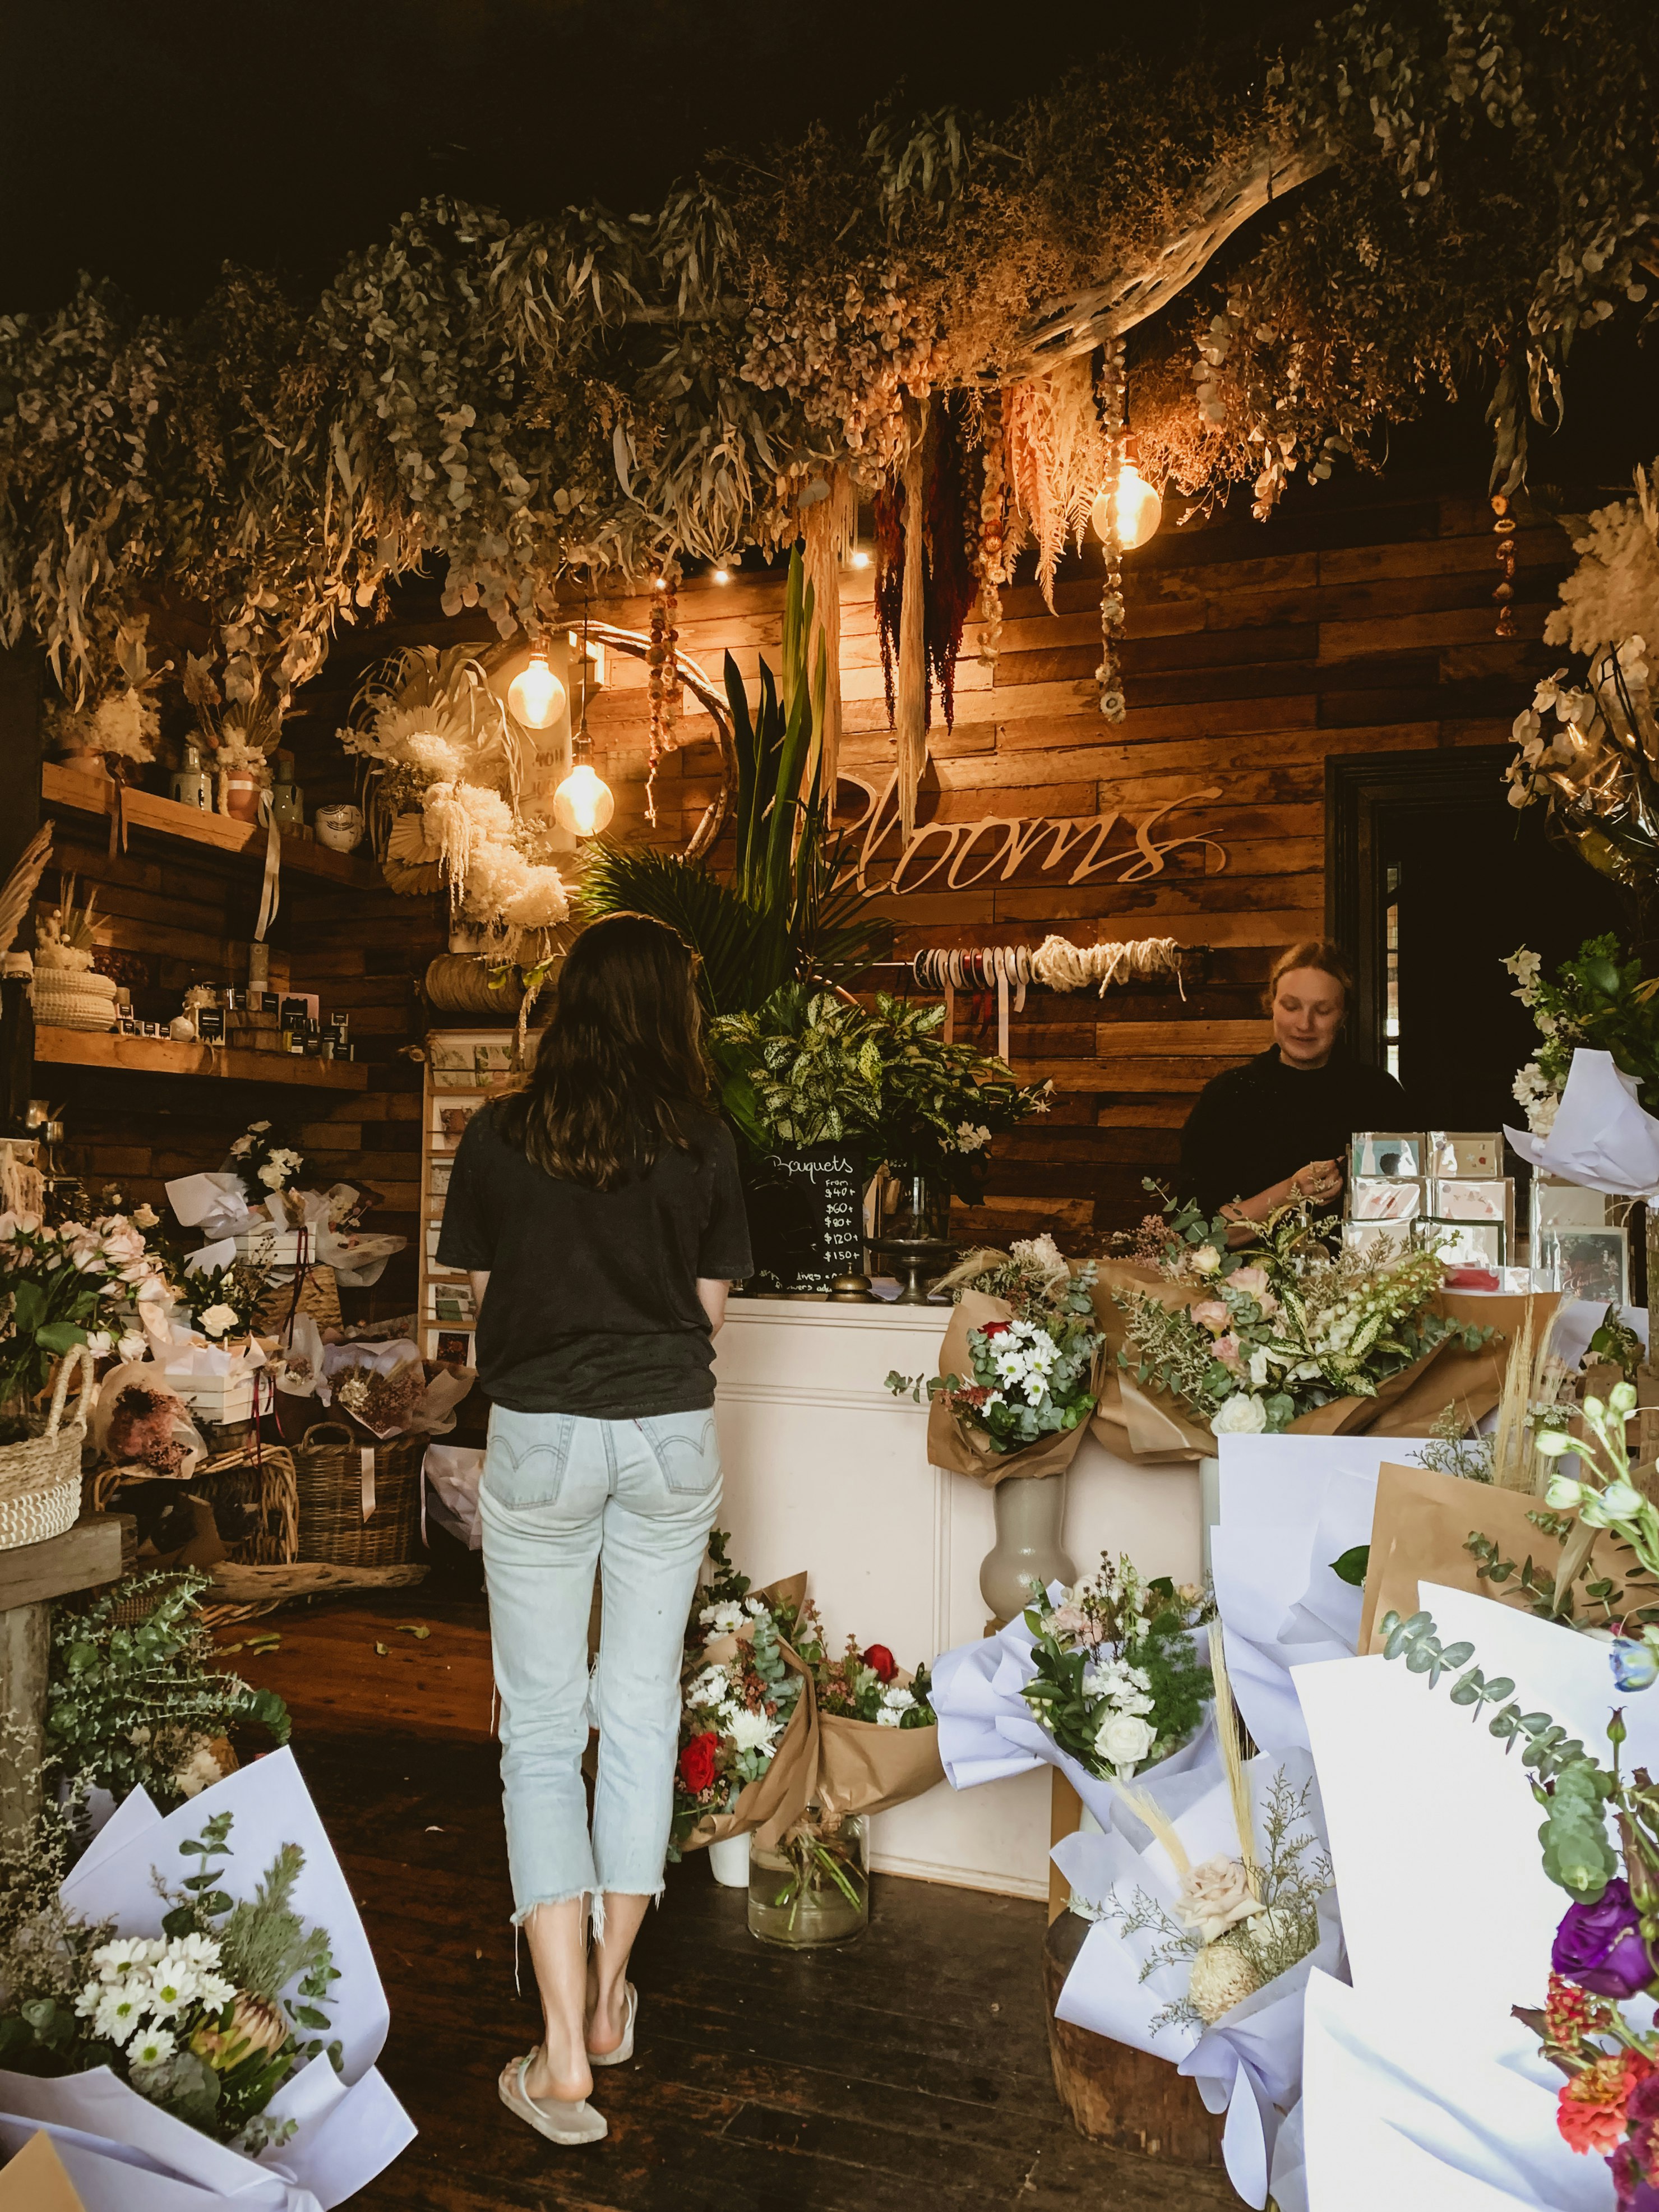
1212 1314
1228 1350
1252 1282
1069 1623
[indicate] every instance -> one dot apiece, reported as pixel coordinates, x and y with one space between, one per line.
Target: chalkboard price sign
805 1217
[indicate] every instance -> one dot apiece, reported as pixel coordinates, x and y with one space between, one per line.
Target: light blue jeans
561 1494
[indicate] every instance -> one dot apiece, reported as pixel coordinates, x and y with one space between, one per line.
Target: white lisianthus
1124 1740
1205 1259
217 1321
144 1216
1258 1367
1621 1501
1243 1415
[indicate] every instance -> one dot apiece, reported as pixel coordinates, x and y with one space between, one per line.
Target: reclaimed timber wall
171 915
1358 620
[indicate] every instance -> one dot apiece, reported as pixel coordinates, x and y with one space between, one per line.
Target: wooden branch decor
1229 199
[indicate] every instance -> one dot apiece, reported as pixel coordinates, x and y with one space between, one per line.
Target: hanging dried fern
1055 458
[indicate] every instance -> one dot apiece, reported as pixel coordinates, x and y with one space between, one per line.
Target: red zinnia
881 1660
697 1763
1590 2111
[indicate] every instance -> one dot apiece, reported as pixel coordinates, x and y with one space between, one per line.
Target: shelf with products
66 790
137 1055
464 1070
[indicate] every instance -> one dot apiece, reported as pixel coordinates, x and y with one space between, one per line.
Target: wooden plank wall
1358 620
169 917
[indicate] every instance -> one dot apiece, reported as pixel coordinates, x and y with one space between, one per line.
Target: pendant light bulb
1139 509
536 697
583 803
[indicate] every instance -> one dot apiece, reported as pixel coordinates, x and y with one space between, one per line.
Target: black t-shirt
592 1302
1257 1124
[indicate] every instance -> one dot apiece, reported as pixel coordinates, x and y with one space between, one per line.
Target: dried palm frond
18 894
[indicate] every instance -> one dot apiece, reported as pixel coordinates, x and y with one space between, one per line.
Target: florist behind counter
1278 1128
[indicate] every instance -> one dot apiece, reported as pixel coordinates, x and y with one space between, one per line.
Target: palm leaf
745 953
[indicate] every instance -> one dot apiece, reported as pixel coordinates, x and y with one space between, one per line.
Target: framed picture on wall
454 1348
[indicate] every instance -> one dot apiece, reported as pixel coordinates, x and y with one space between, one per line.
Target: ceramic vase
1030 1517
728 1861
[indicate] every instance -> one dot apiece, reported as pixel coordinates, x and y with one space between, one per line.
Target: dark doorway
1431 880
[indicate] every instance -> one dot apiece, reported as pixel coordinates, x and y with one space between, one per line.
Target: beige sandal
560 2122
625 2050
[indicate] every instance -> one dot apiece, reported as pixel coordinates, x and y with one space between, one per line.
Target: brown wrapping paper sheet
960 1450
865 1768
777 1800
1151 1424
1418 1528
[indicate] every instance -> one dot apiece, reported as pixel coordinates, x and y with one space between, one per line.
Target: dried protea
1222 1977
255 2024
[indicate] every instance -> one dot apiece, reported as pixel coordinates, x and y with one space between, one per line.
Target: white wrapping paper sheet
1289 1506
1249 2064
106 2177
1601 1137
987 1730
1398 2113
452 1473
1420 2090
350 2126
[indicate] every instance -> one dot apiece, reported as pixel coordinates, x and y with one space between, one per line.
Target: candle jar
287 800
192 786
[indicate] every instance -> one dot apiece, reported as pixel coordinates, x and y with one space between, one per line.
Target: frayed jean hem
592 1898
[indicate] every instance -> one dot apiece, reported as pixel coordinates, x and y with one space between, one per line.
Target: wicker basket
334 1489
40 1478
266 1483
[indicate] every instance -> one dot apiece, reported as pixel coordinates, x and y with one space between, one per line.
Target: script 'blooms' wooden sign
998 846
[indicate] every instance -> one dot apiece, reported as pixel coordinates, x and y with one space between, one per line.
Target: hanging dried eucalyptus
1109 674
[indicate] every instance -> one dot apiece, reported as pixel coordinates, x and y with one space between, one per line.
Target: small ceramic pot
340 828
728 1862
242 797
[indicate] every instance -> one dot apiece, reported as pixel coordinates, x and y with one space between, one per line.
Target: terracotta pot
242 797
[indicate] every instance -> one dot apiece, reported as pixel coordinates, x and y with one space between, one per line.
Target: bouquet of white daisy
1017 1367
748 1725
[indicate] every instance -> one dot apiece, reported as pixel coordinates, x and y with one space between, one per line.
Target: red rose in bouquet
881 1662
697 1763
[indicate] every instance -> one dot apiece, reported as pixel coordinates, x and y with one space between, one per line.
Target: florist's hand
1320 1180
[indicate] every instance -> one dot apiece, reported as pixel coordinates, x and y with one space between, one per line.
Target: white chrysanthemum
1222 1977
750 1731
713 1686
119 2010
126 1956
720 1619
152 2046
174 1983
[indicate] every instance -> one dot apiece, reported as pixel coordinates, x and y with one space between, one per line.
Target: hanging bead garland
1109 674
990 554
661 689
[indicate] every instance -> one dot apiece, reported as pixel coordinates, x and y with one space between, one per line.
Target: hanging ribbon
271 888
365 1461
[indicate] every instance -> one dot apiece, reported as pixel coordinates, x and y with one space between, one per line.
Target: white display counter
826 1470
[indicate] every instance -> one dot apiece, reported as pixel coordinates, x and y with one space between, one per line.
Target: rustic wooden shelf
62 788
137 1055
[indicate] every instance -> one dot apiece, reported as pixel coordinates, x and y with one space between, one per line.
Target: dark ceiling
151 144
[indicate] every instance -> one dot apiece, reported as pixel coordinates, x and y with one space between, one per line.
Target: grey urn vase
1030 1517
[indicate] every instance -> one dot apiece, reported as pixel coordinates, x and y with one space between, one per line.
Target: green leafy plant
806 1069
133 1706
787 913
1598 998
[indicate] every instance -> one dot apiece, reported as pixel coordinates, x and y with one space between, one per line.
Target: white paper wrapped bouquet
196 1999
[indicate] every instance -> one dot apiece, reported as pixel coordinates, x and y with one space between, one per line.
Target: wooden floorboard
906 2073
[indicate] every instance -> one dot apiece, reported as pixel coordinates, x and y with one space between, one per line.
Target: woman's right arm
1321 1180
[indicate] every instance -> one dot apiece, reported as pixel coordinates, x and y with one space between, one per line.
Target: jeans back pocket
686 1447
524 1462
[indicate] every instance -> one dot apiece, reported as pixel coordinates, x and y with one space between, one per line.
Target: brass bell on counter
852 1290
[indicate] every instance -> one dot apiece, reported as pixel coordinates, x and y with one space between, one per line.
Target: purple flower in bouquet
1600 1946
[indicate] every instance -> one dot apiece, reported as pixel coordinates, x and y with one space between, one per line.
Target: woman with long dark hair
599 1215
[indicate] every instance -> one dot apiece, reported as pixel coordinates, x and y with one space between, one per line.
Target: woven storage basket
40 1478
266 1483
333 1489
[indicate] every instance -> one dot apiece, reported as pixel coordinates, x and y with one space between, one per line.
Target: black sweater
1257 1124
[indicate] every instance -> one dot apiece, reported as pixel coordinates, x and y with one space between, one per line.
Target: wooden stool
31 1576
1114 2093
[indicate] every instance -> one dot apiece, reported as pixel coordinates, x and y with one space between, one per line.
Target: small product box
1384 1197
1389 1155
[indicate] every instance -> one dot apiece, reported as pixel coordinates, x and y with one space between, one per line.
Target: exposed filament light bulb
584 802
535 697
1139 509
